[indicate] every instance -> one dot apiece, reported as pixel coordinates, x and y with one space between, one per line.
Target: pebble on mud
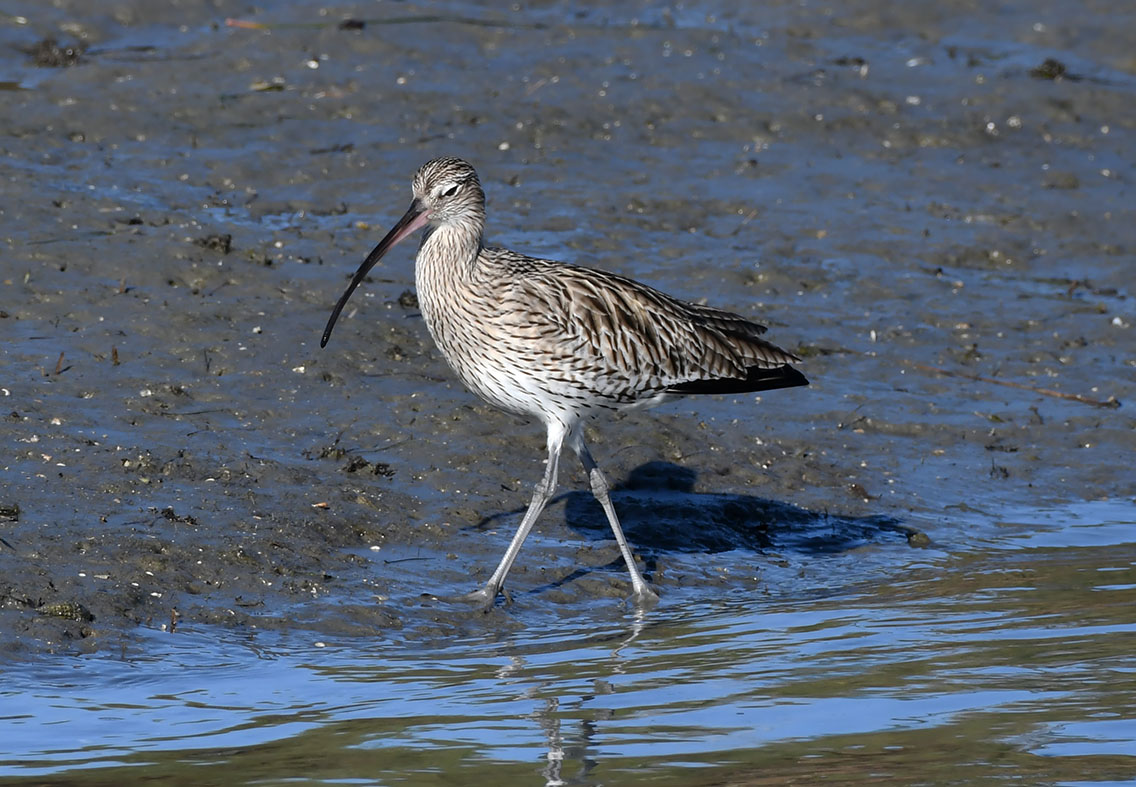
1052 68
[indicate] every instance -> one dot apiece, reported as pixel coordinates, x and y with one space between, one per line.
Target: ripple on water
1020 648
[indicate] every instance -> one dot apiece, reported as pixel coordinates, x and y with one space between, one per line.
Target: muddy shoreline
894 194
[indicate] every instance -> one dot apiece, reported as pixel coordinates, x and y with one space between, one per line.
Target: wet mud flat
934 207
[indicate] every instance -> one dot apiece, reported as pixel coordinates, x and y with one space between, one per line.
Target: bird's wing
615 324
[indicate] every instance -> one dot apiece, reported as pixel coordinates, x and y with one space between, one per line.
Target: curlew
561 342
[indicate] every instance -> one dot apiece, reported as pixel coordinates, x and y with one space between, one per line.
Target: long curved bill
415 218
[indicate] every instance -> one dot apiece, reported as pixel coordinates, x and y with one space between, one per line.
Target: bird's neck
449 250
446 262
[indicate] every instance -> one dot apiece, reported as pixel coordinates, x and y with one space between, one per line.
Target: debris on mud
49 53
221 242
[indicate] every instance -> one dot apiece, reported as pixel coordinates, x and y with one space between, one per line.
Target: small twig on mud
245 24
748 218
417 19
1112 401
388 445
59 367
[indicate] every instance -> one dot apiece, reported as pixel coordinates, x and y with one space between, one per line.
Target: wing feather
637 341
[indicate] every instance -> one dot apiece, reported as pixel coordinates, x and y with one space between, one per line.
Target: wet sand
894 192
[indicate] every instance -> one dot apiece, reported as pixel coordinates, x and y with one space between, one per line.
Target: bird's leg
642 591
541 495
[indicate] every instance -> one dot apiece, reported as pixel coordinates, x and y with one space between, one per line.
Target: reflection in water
549 718
550 722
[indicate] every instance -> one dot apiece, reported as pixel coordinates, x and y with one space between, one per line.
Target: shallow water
898 575
1010 657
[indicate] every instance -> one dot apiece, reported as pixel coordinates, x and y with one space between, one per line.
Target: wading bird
561 342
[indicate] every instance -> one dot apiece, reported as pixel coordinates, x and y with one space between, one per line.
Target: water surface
1011 657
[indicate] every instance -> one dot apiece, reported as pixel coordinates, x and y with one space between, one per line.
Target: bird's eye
451 191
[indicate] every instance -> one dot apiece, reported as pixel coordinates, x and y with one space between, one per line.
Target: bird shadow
661 513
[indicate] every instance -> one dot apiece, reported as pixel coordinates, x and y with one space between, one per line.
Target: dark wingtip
757 379
794 378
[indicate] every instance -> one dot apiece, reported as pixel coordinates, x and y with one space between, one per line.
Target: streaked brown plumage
561 342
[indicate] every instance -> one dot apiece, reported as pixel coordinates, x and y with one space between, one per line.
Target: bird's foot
483 598
644 597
